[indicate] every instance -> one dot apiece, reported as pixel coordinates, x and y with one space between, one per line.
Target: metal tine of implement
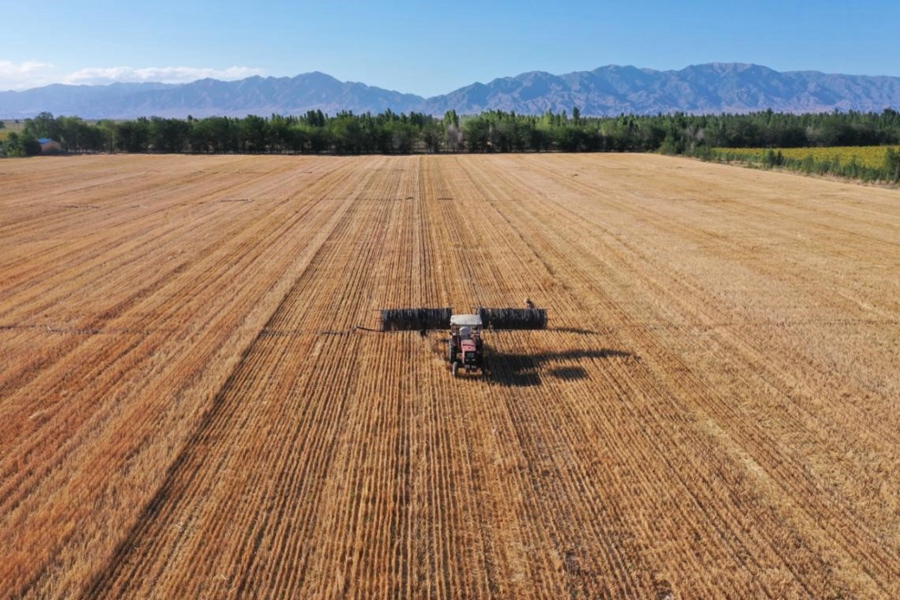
514 318
411 319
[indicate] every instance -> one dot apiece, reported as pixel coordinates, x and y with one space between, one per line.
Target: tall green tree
134 136
254 134
20 145
42 126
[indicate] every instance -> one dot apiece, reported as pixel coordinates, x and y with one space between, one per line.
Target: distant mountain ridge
610 90
206 97
711 88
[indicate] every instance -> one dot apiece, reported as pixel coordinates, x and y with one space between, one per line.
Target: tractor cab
466 350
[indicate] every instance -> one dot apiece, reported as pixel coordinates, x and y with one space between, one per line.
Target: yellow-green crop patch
866 156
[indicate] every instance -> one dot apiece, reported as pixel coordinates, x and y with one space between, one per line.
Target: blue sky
430 48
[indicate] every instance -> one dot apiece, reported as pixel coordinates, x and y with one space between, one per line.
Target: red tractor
466 346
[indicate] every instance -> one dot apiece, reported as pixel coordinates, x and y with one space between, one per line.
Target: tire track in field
341 307
216 415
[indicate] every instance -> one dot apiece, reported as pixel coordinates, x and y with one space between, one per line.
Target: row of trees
493 131
778 130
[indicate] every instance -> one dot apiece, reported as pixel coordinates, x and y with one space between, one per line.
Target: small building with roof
49 146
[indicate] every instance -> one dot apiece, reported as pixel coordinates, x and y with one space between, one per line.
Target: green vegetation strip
867 163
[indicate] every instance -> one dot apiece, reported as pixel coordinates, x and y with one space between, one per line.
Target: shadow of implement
569 373
521 370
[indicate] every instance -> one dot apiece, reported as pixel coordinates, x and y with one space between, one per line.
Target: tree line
492 131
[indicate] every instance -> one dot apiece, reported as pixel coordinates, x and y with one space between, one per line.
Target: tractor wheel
455 369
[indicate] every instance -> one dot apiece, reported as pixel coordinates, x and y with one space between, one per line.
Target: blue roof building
49 146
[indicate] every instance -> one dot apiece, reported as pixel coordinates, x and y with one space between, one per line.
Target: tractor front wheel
455 369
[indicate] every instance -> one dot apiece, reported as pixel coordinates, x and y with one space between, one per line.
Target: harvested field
186 409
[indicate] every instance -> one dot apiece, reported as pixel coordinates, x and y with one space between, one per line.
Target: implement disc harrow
514 318
419 319
413 319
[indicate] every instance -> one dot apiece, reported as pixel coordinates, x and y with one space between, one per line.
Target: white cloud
32 74
20 76
106 75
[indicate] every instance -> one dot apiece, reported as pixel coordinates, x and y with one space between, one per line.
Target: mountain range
610 90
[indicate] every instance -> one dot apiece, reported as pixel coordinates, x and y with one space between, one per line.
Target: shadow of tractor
522 370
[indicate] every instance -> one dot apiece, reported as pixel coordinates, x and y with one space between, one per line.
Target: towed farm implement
465 346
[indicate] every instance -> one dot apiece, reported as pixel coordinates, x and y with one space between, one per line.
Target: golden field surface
187 409
866 156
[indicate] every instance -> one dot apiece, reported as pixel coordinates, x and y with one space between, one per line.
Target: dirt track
186 410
